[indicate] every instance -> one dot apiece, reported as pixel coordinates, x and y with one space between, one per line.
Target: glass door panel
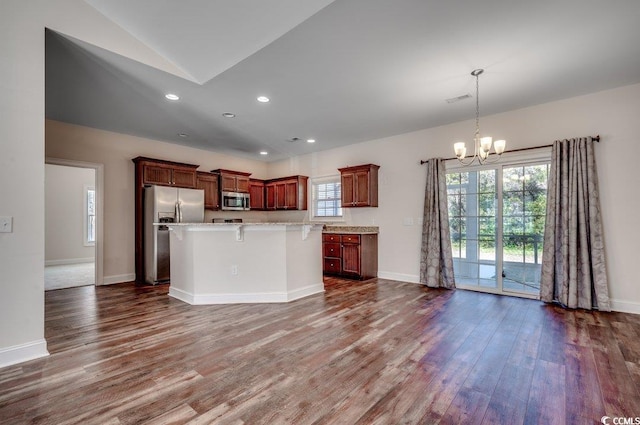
524 195
472 221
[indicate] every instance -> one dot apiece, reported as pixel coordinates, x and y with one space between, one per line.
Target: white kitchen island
221 263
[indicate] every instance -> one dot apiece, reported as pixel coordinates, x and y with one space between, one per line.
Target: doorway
73 224
496 218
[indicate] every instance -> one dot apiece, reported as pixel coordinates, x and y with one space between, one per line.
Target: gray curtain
573 264
436 260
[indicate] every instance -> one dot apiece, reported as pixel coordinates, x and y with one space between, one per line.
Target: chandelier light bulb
485 143
460 149
499 146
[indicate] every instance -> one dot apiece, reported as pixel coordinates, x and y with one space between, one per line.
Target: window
496 220
327 197
89 216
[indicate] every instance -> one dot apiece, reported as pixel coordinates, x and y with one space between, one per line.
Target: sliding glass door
524 200
496 218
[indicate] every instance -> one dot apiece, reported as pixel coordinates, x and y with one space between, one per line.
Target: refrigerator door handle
176 210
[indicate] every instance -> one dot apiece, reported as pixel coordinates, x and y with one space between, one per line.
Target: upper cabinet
256 194
233 181
359 186
209 183
287 193
165 173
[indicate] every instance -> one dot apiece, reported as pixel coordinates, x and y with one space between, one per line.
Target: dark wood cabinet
286 193
149 171
233 181
165 173
209 183
359 186
350 255
256 194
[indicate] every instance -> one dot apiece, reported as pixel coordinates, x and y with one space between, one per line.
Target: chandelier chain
477 107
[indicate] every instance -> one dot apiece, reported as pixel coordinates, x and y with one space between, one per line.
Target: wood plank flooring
373 352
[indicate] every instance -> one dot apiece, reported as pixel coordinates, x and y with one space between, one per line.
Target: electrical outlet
6 224
407 221
234 269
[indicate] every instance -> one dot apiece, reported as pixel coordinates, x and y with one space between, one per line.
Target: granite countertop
350 229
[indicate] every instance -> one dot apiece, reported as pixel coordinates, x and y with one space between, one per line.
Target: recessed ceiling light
172 96
311 140
264 153
263 99
229 115
183 135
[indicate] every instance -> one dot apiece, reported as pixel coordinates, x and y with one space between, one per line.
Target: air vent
293 139
459 98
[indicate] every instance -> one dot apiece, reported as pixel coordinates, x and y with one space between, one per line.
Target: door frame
99 185
534 156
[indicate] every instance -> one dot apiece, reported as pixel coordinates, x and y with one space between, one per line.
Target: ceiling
339 72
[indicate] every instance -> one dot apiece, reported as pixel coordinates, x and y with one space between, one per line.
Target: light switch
407 221
6 224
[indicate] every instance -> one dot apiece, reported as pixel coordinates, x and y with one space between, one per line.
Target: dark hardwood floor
377 351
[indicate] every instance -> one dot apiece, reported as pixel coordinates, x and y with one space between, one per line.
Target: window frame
86 215
315 182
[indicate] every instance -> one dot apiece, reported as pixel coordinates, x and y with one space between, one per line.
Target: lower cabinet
350 255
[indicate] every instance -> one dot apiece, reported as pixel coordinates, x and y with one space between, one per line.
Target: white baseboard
250 298
625 306
66 261
296 294
23 352
118 278
402 277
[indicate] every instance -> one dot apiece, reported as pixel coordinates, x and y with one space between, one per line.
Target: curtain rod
595 138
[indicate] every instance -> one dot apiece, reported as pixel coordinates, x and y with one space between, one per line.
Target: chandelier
481 145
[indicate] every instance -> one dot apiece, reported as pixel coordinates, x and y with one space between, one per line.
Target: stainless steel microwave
235 201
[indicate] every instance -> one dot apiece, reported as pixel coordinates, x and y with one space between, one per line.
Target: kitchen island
226 263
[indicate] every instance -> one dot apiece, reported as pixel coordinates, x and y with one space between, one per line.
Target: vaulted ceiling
337 71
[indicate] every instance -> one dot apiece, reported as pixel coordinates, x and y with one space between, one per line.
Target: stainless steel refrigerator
164 204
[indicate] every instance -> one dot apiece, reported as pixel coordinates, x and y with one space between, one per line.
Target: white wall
22 25
613 114
115 151
64 214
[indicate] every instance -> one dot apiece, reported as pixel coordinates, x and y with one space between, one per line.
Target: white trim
402 277
249 298
330 178
85 213
497 291
99 185
23 352
306 291
66 261
625 306
119 278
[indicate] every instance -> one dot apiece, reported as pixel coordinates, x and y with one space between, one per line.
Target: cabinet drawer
351 238
331 265
331 249
330 237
